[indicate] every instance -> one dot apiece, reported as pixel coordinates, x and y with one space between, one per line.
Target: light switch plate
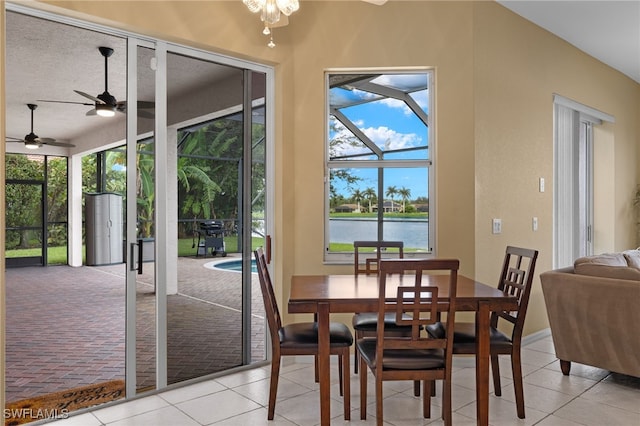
497 226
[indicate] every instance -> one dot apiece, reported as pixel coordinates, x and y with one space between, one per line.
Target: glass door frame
165 266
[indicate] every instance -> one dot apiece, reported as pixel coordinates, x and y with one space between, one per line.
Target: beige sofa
594 312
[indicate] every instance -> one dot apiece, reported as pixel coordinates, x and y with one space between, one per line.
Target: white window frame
429 164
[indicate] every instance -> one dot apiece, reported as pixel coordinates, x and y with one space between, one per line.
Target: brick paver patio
65 326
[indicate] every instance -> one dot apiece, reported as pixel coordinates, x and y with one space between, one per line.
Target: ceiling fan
33 141
105 104
275 13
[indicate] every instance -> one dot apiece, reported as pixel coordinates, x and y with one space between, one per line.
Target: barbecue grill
211 238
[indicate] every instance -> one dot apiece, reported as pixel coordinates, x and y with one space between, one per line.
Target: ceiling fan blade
45 140
122 105
142 114
66 102
88 96
10 139
55 143
92 112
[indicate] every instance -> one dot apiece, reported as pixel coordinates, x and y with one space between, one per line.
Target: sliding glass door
196 205
180 168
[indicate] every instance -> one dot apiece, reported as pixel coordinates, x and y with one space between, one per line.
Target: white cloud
385 138
389 139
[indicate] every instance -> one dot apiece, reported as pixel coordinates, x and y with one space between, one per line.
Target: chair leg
565 366
363 389
355 354
516 371
273 387
340 376
316 369
446 402
379 410
495 369
344 358
427 386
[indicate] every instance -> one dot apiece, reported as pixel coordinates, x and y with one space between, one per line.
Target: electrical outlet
497 226
541 184
534 223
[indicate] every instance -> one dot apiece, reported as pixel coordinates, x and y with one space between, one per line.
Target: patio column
172 213
74 202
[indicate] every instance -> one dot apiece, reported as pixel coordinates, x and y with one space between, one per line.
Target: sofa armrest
594 320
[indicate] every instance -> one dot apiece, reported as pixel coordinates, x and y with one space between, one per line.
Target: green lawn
58 255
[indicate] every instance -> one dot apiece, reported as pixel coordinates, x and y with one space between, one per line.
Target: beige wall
495 77
518 68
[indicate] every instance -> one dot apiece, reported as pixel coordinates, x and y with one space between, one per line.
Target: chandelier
270 11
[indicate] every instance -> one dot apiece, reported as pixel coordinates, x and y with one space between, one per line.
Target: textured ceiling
47 61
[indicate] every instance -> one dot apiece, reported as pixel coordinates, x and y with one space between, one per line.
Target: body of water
231 265
413 232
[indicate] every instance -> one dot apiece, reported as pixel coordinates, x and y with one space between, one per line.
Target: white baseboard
534 337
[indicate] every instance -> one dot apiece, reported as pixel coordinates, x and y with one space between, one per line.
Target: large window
379 160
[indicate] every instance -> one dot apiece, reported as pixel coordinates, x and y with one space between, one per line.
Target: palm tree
369 194
405 193
392 191
357 195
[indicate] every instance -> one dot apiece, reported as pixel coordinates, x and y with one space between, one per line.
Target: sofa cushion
633 258
608 265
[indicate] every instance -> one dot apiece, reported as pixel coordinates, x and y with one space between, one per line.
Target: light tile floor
589 396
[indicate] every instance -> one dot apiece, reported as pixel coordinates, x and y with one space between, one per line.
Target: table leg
482 363
323 363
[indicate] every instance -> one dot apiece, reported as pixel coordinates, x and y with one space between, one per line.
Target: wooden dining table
327 294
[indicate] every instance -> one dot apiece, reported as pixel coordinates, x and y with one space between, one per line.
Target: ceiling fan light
288 6
31 145
270 12
104 110
254 5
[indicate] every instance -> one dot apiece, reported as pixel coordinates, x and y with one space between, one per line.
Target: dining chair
300 339
516 279
366 323
416 357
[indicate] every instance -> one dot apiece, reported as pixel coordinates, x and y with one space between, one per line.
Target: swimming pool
231 265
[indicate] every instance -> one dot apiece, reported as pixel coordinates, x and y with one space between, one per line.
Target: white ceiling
607 30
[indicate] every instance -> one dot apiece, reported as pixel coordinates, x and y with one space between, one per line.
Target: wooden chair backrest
516 279
413 300
268 296
371 264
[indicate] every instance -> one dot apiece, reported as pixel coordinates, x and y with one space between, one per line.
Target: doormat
58 405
